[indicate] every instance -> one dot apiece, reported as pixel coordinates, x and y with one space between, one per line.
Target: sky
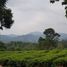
36 16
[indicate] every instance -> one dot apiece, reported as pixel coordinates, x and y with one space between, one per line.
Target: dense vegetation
49 40
34 58
13 46
19 46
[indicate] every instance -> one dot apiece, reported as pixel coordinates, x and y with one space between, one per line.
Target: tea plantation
34 58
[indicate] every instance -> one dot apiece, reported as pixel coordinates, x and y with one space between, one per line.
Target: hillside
63 36
31 37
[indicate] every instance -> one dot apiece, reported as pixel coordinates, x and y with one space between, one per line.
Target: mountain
31 37
63 36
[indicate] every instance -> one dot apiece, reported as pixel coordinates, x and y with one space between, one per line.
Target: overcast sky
36 15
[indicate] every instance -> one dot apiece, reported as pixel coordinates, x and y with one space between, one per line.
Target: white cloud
36 15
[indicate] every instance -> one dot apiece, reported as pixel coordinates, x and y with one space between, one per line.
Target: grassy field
35 56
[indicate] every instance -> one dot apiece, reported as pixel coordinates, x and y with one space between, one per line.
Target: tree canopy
5 15
50 40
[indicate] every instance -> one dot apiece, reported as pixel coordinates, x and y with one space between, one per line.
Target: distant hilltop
31 37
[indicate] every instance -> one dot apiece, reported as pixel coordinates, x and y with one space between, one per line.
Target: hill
31 37
63 36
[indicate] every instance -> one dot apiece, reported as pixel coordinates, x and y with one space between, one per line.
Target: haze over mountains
31 37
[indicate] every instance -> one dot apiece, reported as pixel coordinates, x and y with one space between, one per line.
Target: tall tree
50 40
63 3
5 15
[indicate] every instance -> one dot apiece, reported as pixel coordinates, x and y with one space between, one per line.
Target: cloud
36 15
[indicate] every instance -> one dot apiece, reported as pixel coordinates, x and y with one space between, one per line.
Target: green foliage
2 46
2 3
18 46
5 15
35 57
50 40
64 43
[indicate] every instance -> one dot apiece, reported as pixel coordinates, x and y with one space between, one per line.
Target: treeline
13 46
64 43
19 46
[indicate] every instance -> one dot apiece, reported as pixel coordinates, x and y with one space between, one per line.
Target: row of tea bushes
34 58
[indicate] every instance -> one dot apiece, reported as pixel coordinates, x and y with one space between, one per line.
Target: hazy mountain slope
63 36
31 37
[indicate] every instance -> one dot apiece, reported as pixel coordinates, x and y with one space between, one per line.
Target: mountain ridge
31 37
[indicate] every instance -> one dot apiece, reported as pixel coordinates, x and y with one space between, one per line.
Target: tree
2 46
50 40
63 3
5 15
